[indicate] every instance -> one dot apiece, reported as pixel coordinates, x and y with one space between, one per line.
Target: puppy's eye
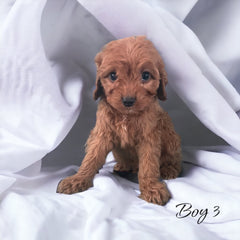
146 76
113 76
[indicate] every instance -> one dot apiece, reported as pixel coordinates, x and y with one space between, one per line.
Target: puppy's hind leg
170 160
170 165
127 161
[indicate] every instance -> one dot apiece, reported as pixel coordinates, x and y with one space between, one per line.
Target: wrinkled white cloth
47 75
112 210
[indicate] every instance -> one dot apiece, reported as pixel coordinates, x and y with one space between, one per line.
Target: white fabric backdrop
47 73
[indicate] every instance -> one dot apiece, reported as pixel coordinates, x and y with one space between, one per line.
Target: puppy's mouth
130 111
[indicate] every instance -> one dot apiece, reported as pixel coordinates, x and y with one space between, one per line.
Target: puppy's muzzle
128 101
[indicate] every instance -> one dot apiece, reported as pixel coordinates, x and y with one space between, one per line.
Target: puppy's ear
99 91
161 92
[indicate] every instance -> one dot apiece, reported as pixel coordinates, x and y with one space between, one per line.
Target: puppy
130 122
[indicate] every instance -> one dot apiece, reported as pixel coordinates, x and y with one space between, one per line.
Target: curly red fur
141 137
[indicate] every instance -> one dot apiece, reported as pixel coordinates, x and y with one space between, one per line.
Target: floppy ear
161 92
99 91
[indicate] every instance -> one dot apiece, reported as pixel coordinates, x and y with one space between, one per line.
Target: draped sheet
47 76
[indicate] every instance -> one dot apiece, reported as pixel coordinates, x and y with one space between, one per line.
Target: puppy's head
130 75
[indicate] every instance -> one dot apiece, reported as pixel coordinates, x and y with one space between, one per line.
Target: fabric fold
47 75
188 79
35 116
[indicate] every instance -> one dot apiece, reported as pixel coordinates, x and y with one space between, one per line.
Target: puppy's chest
127 132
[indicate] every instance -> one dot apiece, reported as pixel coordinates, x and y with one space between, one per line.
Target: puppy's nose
128 101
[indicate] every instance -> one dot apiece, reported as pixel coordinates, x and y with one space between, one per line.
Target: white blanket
47 75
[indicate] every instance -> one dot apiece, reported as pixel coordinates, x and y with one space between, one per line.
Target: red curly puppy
130 122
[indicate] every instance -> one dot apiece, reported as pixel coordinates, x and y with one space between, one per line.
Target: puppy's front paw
73 184
156 192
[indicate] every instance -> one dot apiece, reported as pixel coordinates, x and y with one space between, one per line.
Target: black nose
128 101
